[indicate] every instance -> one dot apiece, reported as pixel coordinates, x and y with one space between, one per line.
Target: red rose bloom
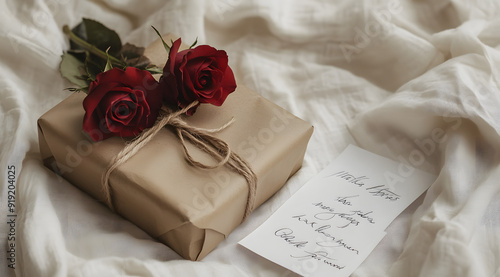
121 103
201 73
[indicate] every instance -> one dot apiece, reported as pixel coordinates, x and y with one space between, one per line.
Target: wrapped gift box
189 209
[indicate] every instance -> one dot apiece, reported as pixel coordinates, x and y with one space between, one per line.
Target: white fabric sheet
417 81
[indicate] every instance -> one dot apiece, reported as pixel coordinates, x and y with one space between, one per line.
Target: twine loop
202 138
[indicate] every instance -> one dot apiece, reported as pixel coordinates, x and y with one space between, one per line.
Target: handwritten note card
335 220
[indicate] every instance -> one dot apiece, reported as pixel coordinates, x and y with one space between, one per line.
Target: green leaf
155 70
108 63
142 62
79 54
73 70
79 31
82 89
86 49
194 43
98 35
134 56
130 51
167 48
93 66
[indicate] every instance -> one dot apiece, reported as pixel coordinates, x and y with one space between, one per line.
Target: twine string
201 138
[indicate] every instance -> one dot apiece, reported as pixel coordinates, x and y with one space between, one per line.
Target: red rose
201 73
121 103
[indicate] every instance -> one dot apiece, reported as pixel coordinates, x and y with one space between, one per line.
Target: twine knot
202 138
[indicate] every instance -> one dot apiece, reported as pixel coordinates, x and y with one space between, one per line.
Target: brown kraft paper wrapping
191 210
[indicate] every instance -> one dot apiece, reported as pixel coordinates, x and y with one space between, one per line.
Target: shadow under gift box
189 209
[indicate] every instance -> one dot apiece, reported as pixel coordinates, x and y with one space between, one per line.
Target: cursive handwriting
351 217
319 256
286 235
344 200
332 241
337 243
378 191
302 218
345 216
365 215
350 178
383 192
323 206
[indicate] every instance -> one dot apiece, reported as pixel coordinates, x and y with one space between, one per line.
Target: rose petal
186 95
202 51
134 123
94 96
203 69
228 85
228 82
191 71
110 98
134 78
135 127
113 98
125 120
146 111
132 89
204 80
172 56
93 114
206 94
122 110
168 82
221 60
196 74
154 103
113 126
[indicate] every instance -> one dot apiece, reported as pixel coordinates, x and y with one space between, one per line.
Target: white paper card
333 222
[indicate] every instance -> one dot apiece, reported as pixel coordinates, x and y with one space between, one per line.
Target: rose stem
89 47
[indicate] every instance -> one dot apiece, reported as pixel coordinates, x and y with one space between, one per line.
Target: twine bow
201 138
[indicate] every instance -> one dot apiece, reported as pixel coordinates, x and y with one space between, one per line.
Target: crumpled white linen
417 81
